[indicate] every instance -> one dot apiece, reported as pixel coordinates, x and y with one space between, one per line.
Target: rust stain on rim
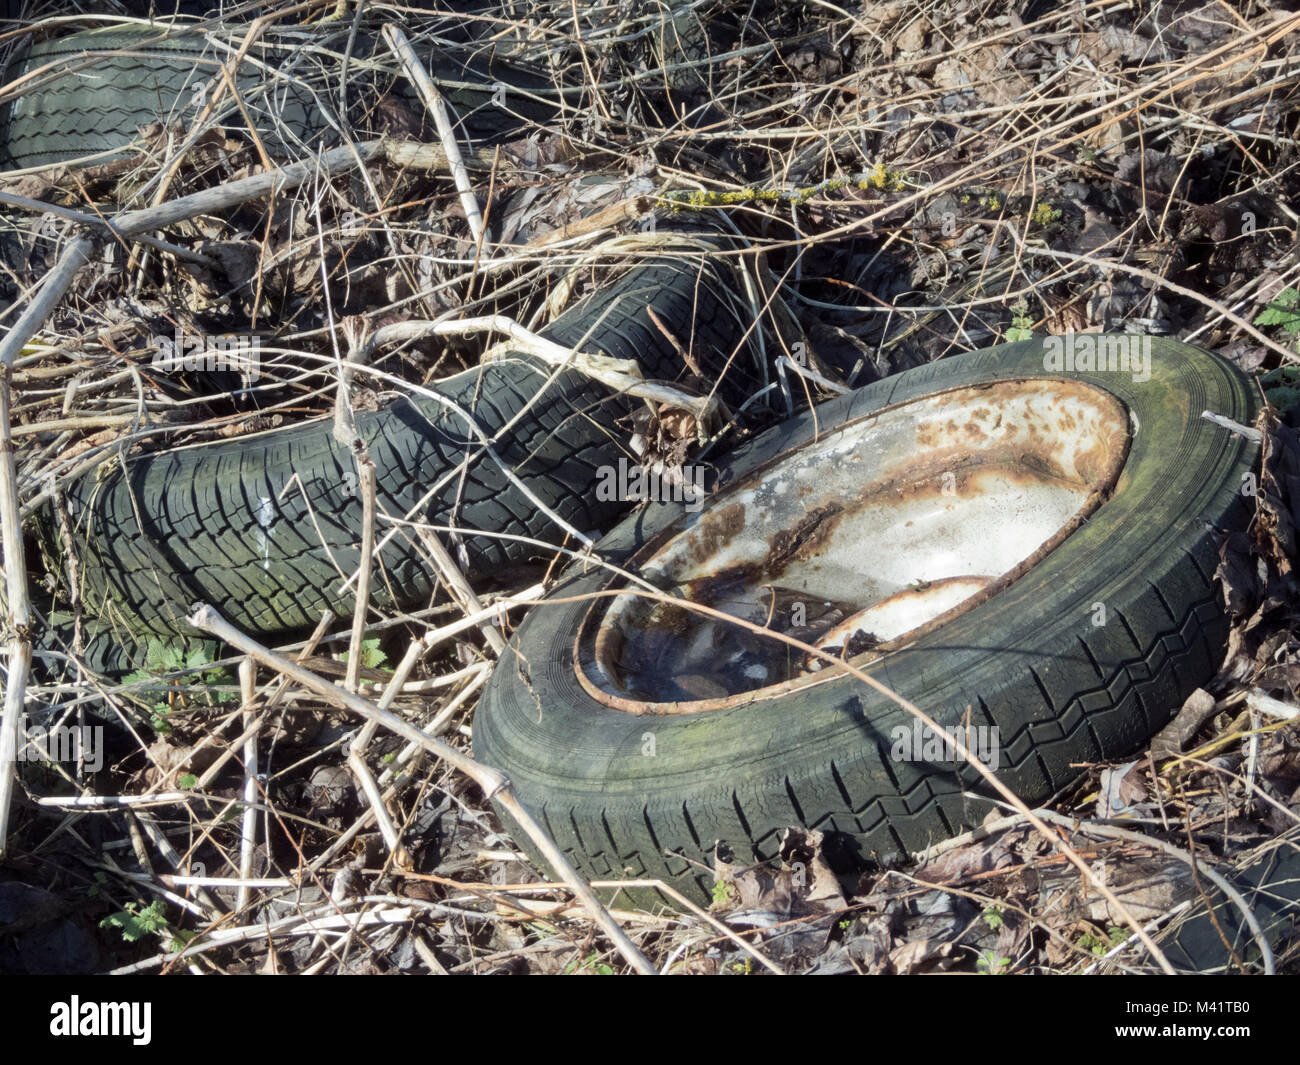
921 487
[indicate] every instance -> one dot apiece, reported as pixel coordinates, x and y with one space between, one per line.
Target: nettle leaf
1283 310
136 924
371 656
197 657
163 658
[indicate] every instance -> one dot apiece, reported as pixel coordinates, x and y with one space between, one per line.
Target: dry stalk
17 606
437 108
248 824
495 785
459 585
366 487
621 375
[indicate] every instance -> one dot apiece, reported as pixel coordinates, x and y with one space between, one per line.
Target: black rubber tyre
261 527
103 100
98 101
1028 661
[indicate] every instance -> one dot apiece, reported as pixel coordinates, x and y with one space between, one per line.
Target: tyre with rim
1021 540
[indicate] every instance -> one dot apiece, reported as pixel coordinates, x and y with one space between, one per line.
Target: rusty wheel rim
861 542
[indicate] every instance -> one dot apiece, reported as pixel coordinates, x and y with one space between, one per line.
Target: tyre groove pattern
217 526
93 101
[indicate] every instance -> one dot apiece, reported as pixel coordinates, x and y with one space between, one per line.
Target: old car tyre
1078 654
101 87
213 522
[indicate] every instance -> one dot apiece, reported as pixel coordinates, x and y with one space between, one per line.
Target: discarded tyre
1017 541
265 527
101 87
94 91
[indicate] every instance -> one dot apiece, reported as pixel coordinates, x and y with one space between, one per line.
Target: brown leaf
240 259
1149 169
1196 710
678 424
168 759
912 39
819 890
1148 887
921 954
1120 789
803 886
981 857
1237 575
1274 531
910 956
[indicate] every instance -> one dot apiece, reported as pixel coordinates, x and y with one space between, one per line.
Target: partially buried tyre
1020 540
